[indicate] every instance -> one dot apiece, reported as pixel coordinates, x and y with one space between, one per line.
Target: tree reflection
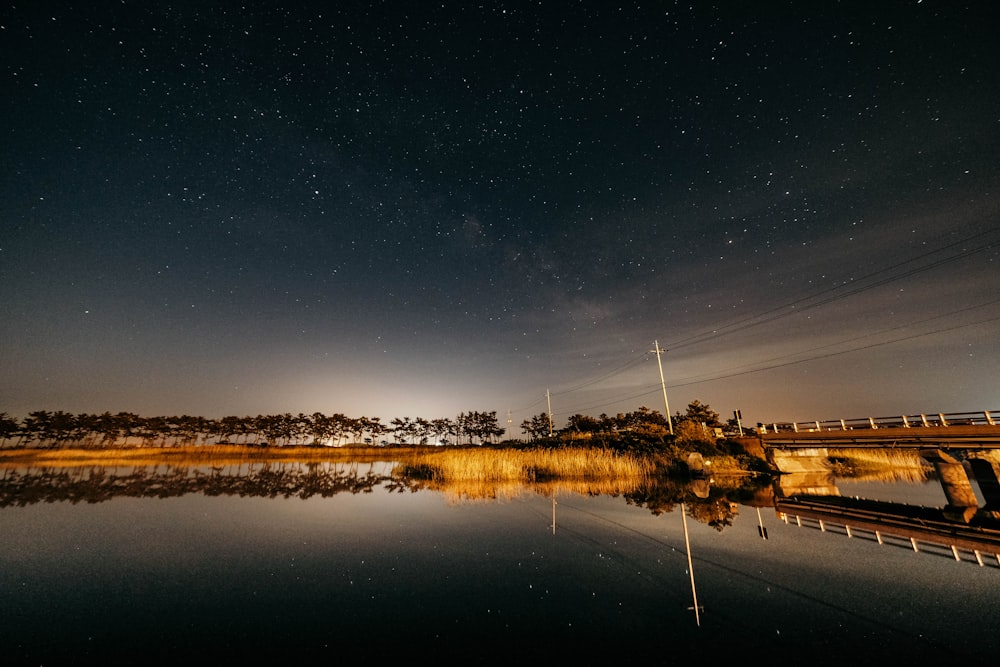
96 484
717 508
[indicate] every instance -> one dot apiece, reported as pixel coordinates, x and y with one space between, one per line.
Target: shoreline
68 457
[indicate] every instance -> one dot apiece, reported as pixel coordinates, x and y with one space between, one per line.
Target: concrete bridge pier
962 502
804 472
987 474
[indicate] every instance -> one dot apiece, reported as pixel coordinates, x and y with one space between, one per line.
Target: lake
141 566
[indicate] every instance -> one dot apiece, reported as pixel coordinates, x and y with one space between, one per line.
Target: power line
530 406
780 312
648 391
615 371
855 338
834 354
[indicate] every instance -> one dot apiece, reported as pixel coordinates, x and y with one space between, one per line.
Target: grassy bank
508 473
657 481
493 465
453 463
215 455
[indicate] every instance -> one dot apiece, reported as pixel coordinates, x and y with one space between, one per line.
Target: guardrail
940 419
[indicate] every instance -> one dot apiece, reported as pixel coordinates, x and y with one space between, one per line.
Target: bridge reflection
808 496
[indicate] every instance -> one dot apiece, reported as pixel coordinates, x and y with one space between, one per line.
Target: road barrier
982 418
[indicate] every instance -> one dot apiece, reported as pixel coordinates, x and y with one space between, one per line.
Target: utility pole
548 400
663 386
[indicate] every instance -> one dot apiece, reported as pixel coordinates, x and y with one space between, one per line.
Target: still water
378 572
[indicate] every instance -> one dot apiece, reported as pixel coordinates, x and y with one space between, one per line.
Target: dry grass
215 455
461 474
491 474
501 465
476 490
879 465
488 465
721 464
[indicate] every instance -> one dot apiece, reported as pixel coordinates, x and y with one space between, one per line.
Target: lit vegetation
625 447
525 465
216 455
93 458
880 465
472 489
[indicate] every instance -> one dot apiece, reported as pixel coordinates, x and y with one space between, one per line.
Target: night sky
417 209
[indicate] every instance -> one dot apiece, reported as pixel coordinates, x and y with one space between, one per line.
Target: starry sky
417 209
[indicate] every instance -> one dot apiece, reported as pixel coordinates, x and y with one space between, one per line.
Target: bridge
978 430
961 447
923 529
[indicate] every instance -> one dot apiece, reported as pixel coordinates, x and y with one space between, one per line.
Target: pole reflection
694 590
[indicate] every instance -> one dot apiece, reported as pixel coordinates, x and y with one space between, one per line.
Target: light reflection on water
927 493
355 574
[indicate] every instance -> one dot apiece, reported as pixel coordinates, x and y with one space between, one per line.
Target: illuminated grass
490 465
466 490
200 455
877 465
491 474
500 465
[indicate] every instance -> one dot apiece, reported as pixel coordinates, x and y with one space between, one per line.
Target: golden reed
192 455
495 465
880 465
504 474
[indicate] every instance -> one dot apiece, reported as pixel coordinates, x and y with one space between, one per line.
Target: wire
655 389
780 312
587 383
834 354
856 338
616 371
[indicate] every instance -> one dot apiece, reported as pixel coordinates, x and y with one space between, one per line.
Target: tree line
43 428
123 429
697 417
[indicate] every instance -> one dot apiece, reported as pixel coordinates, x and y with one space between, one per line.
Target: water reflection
714 505
94 484
333 562
966 525
805 497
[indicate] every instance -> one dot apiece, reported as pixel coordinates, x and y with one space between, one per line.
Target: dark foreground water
391 577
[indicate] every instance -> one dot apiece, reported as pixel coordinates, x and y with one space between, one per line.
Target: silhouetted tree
402 429
642 421
582 424
537 426
442 428
9 428
374 427
701 413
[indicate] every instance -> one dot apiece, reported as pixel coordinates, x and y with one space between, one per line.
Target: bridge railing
982 418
